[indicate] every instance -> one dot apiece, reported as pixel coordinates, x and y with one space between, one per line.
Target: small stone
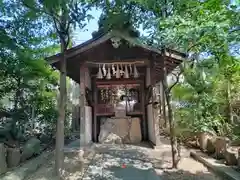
13 157
210 146
220 145
3 163
112 139
31 147
231 157
203 138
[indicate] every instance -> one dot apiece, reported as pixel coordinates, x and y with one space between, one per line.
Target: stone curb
21 172
223 171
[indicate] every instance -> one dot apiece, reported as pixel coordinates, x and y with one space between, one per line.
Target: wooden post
95 138
155 111
144 121
82 105
163 100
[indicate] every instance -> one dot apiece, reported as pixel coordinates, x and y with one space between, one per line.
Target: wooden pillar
156 123
85 108
163 100
95 138
82 105
145 124
148 105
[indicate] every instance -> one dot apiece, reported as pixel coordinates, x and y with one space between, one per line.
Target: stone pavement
142 162
117 163
127 162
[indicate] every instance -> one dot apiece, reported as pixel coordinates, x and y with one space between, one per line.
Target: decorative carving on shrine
116 42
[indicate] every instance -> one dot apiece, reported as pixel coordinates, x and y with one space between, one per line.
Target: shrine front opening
120 108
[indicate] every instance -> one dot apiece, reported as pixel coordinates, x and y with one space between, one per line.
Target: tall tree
62 15
24 76
194 27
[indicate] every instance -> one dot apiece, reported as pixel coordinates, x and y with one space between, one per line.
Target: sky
81 36
85 34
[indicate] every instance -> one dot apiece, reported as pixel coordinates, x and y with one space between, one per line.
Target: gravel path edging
221 170
20 173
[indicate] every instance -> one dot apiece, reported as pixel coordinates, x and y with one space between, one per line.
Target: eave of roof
103 38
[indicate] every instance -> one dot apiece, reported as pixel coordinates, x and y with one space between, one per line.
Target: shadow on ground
110 167
186 175
73 168
121 162
159 159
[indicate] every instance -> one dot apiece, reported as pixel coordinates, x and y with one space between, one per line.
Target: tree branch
55 24
168 90
31 7
177 80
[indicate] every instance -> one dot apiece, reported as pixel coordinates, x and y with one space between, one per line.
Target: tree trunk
171 122
61 116
164 107
17 94
173 139
229 105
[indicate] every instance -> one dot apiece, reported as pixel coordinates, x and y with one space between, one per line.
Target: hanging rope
114 63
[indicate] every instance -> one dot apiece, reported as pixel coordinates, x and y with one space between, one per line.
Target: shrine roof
103 38
100 48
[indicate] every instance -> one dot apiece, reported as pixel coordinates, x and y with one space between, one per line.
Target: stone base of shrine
118 130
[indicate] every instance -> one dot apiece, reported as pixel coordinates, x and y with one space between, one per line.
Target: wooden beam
170 60
168 68
79 49
122 61
173 55
120 81
173 61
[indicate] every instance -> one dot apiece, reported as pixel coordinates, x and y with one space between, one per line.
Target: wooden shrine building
117 75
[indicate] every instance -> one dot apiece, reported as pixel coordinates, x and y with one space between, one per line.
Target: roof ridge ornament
116 41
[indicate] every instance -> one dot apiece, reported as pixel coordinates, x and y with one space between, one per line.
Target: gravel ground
128 162
160 160
74 168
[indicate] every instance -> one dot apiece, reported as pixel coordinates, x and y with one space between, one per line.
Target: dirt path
160 160
129 162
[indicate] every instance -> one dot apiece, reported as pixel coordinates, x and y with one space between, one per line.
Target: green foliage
121 15
209 31
207 96
61 15
27 82
30 30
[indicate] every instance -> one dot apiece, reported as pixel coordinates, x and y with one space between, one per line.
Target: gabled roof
105 37
100 49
